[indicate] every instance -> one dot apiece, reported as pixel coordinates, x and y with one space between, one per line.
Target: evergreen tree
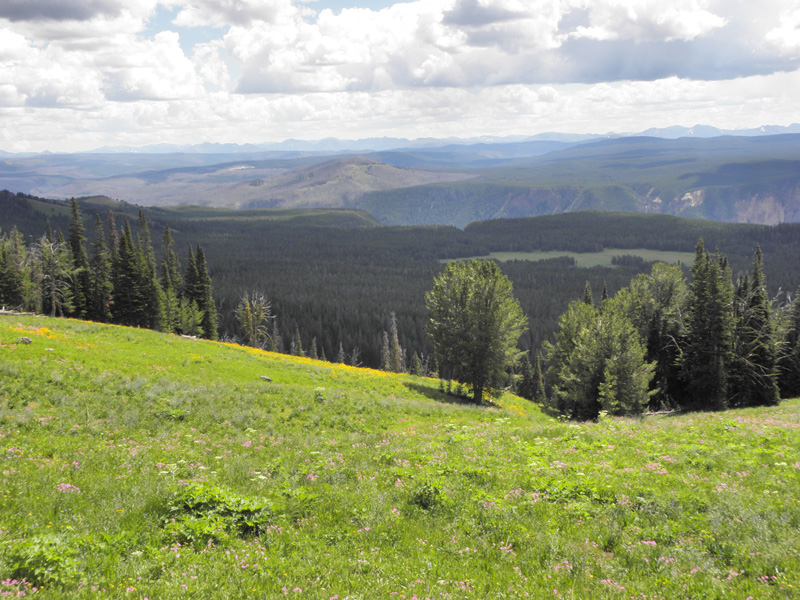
275 342
253 315
13 274
790 352
655 304
296 346
416 365
130 307
598 362
80 261
206 298
313 352
171 282
54 271
475 322
587 296
396 361
341 357
754 375
153 294
526 385
101 289
708 354
386 356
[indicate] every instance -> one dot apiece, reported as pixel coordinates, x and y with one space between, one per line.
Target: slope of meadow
141 465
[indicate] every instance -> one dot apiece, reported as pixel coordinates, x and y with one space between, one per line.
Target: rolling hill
725 178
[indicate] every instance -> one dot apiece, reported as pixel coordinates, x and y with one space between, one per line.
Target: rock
266 378
24 340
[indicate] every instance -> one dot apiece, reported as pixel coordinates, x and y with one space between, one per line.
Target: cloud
472 13
58 10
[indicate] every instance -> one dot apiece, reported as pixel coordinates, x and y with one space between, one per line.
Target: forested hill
725 178
336 275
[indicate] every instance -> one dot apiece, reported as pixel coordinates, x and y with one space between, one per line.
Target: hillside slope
142 465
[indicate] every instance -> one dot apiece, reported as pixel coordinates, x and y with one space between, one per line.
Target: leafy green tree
475 323
709 350
152 291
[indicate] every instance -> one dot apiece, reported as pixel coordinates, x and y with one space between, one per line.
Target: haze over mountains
752 176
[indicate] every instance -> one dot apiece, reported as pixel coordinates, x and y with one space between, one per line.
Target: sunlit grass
337 482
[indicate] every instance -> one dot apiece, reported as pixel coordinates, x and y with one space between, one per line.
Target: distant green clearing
588 260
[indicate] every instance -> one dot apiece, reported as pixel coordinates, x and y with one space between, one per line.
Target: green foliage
597 362
43 560
254 315
200 513
93 458
708 355
475 322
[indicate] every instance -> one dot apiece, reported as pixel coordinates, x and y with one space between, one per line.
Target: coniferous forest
334 285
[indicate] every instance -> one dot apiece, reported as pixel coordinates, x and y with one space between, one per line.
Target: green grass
587 260
141 465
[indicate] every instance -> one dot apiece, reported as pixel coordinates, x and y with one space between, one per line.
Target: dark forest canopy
335 276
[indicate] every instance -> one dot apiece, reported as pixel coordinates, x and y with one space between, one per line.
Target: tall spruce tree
754 374
790 352
81 278
151 288
98 305
171 282
205 300
13 273
130 306
709 350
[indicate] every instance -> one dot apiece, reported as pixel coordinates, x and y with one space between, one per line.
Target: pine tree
341 357
754 373
313 352
396 361
80 261
171 282
99 298
790 352
587 294
416 365
129 306
153 294
275 341
296 346
13 273
526 385
708 354
206 299
386 356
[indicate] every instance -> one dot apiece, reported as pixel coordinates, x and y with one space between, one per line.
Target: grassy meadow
140 465
588 260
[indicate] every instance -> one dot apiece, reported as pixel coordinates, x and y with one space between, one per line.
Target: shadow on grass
445 398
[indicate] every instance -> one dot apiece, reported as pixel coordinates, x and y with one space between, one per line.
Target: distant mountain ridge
748 178
335 145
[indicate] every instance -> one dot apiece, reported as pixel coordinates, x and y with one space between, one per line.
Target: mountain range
751 177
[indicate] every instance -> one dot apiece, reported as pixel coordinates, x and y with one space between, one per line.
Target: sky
76 75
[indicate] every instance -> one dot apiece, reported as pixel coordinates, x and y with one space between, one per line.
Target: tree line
118 280
664 343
